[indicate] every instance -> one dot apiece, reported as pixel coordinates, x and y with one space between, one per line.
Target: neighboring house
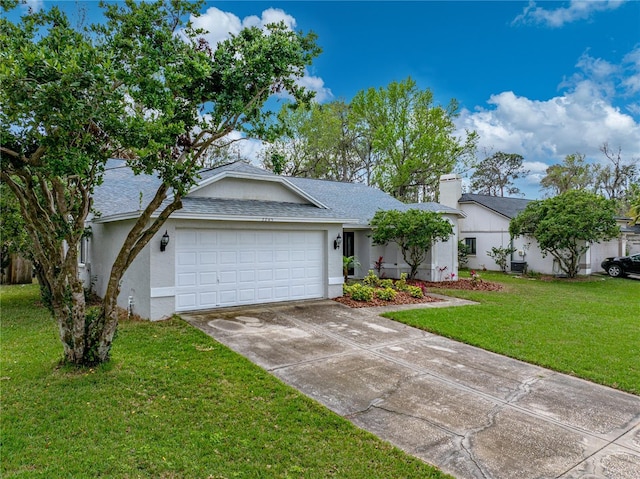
243 236
486 225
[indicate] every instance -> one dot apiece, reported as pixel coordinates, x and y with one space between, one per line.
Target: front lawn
587 327
172 403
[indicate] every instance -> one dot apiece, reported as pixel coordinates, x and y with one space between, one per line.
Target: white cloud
577 10
579 120
316 84
221 25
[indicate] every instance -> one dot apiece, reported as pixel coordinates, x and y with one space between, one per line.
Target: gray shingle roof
123 193
509 207
353 200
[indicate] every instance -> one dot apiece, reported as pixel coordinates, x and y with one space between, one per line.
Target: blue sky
543 79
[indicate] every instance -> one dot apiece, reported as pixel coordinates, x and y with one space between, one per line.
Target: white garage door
218 268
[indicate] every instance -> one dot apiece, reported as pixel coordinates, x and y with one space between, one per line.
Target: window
470 243
83 250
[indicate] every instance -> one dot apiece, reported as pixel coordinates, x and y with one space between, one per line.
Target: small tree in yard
142 86
565 225
414 231
499 255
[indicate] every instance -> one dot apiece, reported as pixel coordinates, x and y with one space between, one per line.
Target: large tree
495 175
616 178
572 174
565 225
414 137
142 86
414 231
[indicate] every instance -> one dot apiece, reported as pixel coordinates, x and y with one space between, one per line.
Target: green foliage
412 136
572 174
501 256
463 254
495 174
349 262
396 138
371 279
386 283
386 294
401 284
415 291
12 229
360 292
564 226
414 231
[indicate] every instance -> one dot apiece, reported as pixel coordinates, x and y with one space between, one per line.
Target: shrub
415 291
360 292
386 294
371 279
500 256
386 283
401 284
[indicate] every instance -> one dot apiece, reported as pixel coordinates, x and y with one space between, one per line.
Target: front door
349 248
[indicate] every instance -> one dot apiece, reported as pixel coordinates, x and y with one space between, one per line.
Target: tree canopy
565 225
143 86
572 174
495 175
414 231
396 138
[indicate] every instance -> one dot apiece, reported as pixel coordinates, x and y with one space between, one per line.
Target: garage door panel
186 301
186 279
216 268
247 276
208 257
247 257
187 258
208 299
208 279
228 277
247 295
207 237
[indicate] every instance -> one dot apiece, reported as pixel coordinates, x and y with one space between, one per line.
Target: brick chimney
450 190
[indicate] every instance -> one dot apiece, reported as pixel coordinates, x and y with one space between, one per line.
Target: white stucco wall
105 244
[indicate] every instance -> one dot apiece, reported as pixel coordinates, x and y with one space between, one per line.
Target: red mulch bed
401 298
405 298
468 284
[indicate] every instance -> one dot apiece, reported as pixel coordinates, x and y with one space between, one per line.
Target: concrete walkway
472 413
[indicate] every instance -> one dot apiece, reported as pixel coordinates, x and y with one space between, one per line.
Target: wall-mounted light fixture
164 241
337 242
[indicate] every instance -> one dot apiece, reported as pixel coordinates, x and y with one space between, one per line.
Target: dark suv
621 265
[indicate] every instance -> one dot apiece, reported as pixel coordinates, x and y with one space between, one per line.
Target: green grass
172 403
589 328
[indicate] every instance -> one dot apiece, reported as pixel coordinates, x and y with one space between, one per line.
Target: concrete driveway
472 413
